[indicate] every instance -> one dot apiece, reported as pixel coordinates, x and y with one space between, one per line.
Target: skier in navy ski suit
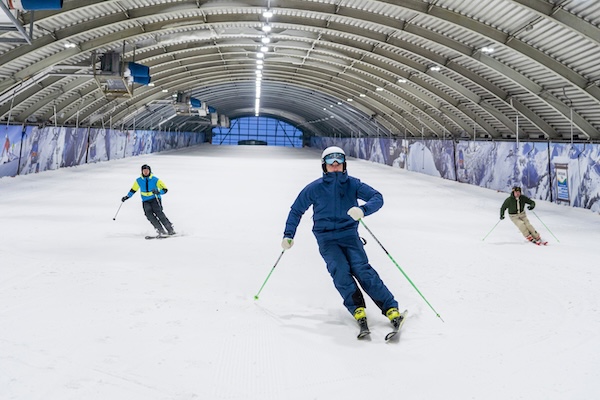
336 213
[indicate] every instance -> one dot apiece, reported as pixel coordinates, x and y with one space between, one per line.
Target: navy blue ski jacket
331 197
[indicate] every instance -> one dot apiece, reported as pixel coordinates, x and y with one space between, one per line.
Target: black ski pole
115 217
403 273
268 276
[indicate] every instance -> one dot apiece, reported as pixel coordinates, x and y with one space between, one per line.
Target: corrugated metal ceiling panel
407 38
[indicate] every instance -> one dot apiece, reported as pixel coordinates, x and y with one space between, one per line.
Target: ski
158 237
397 324
363 334
540 242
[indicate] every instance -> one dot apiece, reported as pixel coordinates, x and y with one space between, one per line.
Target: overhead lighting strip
260 56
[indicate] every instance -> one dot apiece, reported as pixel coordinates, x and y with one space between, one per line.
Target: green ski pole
268 276
545 226
491 230
403 273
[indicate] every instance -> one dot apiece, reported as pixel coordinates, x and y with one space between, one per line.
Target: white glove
287 243
356 213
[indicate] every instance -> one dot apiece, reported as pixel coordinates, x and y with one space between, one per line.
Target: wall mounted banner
534 166
562 182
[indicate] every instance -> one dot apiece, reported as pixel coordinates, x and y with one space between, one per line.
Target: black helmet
146 166
516 188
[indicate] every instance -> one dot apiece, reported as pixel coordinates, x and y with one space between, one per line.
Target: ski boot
361 317
160 233
395 317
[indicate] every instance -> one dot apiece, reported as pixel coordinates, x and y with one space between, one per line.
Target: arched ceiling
333 67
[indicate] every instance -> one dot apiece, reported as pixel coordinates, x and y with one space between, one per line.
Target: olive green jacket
511 204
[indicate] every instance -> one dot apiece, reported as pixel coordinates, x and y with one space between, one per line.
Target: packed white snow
90 310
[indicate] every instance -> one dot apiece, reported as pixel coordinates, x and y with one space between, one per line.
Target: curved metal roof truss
484 69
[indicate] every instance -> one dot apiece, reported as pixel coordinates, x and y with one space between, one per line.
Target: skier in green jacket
515 204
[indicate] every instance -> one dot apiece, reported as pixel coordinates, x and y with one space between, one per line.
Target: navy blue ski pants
347 263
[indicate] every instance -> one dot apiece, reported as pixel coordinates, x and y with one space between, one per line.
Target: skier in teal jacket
151 188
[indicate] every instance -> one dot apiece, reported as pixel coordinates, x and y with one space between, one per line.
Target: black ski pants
154 212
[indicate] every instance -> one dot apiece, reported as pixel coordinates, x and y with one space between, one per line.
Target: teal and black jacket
146 185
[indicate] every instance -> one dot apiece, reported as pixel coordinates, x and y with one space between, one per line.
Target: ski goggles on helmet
334 157
516 189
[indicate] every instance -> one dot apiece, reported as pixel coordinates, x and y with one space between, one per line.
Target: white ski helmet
332 150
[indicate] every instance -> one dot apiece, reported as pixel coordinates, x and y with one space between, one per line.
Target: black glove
155 191
502 216
531 207
124 198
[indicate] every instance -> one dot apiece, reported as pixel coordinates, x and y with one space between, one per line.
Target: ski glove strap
287 243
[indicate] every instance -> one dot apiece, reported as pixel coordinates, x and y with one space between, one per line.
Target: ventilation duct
199 106
194 102
138 73
35 5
